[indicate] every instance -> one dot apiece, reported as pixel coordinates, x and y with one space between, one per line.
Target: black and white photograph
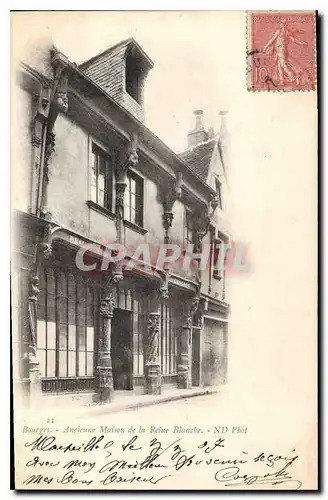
163 300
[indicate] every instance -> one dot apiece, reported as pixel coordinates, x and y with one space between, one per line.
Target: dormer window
133 79
121 72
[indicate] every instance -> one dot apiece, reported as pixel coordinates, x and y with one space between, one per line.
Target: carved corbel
58 104
40 115
167 223
203 220
173 193
59 99
115 277
45 244
191 307
129 159
164 288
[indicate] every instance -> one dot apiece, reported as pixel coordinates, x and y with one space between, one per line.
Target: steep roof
129 121
198 158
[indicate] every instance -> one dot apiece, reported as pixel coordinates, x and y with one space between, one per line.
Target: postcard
164 250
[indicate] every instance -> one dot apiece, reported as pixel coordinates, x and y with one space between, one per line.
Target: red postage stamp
281 50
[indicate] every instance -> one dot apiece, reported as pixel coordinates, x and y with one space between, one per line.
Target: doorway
195 358
122 350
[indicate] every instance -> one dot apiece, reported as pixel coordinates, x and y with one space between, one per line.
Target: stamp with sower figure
281 51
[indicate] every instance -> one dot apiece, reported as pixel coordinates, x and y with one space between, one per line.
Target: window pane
62 363
109 185
71 363
51 363
133 201
94 175
51 336
71 303
94 161
89 311
101 198
90 363
62 336
80 306
41 329
71 337
51 308
90 338
101 182
141 361
102 165
127 192
62 310
132 185
81 334
82 364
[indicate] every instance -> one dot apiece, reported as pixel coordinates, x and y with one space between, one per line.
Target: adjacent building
88 172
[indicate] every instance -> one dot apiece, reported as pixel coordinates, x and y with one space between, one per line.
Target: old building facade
88 172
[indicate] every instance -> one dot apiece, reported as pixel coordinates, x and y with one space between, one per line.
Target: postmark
281 51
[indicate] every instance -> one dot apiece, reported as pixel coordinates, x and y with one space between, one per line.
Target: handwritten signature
233 476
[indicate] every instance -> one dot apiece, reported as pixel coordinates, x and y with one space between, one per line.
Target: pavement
122 401
125 401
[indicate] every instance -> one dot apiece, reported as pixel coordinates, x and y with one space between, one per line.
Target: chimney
198 133
223 127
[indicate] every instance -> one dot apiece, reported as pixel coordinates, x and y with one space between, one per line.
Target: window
190 232
218 186
67 325
133 80
134 199
101 178
217 248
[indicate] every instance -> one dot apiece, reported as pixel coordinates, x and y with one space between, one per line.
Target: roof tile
198 158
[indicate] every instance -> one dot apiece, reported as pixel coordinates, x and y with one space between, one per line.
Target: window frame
217 274
100 151
220 238
187 228
60 287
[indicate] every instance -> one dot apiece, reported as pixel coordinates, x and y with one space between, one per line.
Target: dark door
195 359
122 350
